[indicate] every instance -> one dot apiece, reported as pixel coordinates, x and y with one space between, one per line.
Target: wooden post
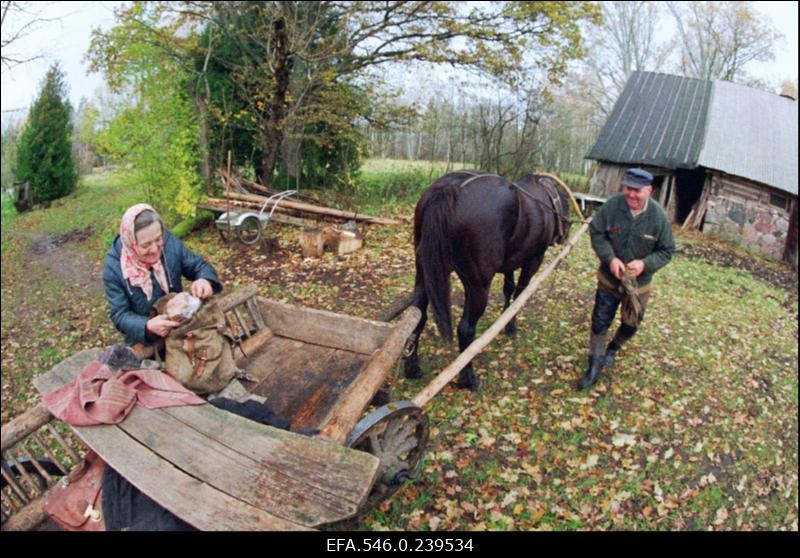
228 198
447 375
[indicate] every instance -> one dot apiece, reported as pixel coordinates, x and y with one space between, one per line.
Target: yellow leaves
591 462
621 439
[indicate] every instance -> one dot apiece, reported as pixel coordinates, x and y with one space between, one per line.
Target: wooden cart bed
219 471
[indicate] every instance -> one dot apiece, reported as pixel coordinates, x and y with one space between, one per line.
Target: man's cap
637 178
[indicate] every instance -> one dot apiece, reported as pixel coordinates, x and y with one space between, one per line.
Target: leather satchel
75 503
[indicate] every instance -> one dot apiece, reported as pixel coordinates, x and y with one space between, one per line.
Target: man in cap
632 236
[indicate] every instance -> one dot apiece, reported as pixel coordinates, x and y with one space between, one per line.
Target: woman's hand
161 325
201 289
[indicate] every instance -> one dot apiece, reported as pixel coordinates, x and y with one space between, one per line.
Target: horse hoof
473 384
512 332
413 372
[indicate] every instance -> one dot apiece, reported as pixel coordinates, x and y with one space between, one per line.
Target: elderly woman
144 263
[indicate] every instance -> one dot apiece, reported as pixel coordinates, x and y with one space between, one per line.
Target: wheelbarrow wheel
249 231
397 435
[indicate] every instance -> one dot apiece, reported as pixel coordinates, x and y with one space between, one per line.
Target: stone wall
742 212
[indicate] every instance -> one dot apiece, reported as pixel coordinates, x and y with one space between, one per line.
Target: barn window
778 200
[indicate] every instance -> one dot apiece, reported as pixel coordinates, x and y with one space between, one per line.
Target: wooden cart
219 471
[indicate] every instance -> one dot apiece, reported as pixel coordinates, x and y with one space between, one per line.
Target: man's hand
161 325
617 267
201 289
636 267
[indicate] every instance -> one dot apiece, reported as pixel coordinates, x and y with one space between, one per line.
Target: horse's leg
508 292
475 299
524 278
411 365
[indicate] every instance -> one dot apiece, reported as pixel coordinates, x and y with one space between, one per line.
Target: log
352 402
312 242
29 421
279 216
315 209
29 516
446 375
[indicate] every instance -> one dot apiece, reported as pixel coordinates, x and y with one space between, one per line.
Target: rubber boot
623 333
611 354
592 373
596 360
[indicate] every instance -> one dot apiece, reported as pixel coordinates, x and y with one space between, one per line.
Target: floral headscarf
133 269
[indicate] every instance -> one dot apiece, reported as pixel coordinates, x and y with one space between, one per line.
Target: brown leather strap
190 351
198 368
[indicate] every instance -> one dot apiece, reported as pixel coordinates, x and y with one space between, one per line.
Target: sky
65 38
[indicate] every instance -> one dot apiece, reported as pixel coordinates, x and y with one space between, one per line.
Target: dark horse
478 224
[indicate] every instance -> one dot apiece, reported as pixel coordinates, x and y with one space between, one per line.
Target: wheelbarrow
248 226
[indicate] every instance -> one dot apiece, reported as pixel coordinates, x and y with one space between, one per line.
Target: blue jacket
129 307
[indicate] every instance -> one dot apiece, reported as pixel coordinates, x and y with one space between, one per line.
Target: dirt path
69 266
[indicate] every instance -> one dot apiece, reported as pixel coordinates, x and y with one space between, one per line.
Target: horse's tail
434 252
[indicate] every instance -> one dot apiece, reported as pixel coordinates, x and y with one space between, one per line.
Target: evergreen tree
44 158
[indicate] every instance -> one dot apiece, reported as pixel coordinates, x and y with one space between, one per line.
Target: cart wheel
397 434
250 230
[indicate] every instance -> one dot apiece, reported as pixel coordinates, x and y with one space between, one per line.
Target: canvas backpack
198 353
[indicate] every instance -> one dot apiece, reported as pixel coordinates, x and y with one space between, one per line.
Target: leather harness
551 193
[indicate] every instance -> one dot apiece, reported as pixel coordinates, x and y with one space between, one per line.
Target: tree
718 39
305 70
45 158
10 139
18 20
624 43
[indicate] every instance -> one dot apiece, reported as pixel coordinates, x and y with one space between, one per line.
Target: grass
696 428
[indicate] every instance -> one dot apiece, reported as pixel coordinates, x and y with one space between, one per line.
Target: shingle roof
678 122
753 134
658 120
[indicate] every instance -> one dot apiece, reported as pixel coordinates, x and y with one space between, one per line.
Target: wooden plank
255 313
196 502
270 358
342 369
251 345
207 456
324 328
227 301
305 388
355 398
203 504
345 474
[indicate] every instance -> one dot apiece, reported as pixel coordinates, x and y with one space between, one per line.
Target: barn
724 157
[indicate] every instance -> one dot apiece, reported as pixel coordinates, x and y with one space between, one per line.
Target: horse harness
552 194
554 200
